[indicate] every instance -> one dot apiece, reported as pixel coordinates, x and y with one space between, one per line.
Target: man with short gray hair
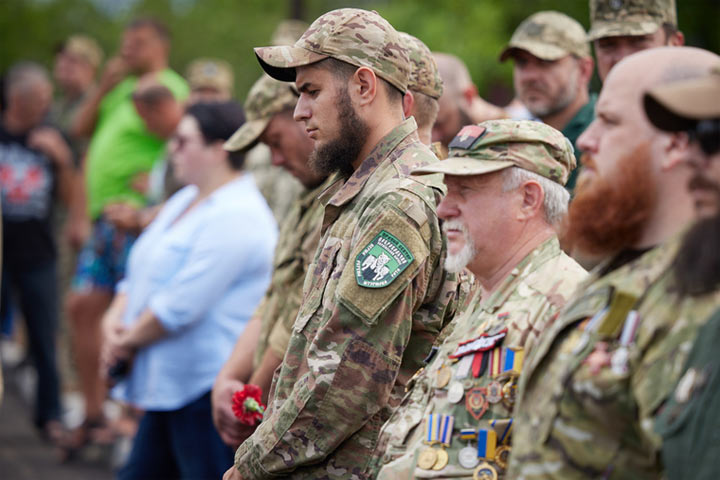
552 72
457 416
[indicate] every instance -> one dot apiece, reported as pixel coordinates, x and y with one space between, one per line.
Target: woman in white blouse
193 280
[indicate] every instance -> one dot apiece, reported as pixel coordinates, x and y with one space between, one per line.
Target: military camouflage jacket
297 243
279 188
375 298
592 387
522 306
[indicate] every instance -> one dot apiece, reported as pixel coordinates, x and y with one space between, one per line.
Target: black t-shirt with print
27 188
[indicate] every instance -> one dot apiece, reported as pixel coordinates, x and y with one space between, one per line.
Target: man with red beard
595 383
689 422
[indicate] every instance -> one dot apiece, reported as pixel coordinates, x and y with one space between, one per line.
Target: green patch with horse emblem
381 261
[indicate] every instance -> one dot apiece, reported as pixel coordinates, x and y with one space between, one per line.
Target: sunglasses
707 134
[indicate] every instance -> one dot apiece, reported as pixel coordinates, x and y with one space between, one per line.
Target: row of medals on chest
475 357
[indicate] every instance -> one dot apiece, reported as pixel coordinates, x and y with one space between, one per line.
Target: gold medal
442 459
508 391
443 377
501 456
427 458
485 471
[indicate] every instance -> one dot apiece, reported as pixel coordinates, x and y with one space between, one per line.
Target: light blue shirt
202 277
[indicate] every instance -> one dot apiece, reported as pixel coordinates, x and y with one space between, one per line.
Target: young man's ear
408 104
363 86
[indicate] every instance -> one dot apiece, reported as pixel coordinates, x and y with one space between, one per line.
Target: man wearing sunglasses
689 422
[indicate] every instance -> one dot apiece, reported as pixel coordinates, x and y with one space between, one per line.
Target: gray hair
23 75
555 197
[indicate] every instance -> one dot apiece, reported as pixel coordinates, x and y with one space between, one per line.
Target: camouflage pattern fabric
497 144
549 36
358 37
593 386
612 18
689 422
212 73
278 186
266 98
297 242
424 74
524 304
354 348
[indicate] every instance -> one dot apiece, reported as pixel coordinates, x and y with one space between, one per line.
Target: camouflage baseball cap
85 48
212 73
288 31
498 144
613 18
549 36
358 37
424 74
266 98
677 106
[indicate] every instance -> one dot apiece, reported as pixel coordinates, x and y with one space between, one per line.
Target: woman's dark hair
217 122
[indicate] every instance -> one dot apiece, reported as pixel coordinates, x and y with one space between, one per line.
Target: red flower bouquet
247 405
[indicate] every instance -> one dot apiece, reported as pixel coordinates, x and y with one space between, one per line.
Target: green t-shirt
121 147
575 127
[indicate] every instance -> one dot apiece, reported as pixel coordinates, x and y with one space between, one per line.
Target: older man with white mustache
505 194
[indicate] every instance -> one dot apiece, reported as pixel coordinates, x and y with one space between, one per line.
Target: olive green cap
549 36
352 35
424 74
614 18
266 98
499 144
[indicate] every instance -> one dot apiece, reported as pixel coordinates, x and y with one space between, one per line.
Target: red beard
609 215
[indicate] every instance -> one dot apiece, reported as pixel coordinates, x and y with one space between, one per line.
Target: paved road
24 456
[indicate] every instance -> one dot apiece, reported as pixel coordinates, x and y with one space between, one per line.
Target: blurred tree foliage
475 30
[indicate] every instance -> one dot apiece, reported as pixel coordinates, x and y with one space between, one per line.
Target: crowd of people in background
417 283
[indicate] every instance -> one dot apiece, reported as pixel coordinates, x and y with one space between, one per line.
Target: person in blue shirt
194 278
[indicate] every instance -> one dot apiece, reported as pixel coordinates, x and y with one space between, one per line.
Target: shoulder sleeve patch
386 258
381 261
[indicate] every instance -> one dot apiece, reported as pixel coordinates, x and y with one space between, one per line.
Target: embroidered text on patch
381 261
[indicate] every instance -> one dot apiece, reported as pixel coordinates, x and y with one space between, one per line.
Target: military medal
501 456
475 402
513 360
482 343
598 359
467 457
444 374
455 392
442 459
619 360
494 392
509 391
485 471
463 367
589 327
427 458
487 441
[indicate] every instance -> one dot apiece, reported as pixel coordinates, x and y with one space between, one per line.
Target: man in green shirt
120 150
552 71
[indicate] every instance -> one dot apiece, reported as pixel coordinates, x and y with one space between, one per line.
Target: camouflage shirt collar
547 250
380 152
312 194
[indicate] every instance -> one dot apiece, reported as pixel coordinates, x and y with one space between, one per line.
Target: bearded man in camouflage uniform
619 28
360 334
597 379
689 422
513 172
261 347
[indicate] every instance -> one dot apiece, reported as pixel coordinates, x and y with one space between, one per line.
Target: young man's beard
609 215
339 153
697 264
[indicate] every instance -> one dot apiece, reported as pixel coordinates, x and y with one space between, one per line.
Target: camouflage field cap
677 106
498 144
85 48
211 73
424 74
358 37
266 98
613 18
549 36
288 31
